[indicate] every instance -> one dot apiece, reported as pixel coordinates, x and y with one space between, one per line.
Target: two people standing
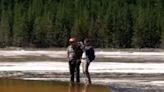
77 54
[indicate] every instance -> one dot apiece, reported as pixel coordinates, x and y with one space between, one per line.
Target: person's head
72 41
87 42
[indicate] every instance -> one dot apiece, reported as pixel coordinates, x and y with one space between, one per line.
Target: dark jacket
79 52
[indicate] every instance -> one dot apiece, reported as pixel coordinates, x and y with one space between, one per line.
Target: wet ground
131 71
146 77
14 85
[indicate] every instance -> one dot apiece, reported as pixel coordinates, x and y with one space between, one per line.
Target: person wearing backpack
87 57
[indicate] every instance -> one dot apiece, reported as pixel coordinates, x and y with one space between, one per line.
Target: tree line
108 23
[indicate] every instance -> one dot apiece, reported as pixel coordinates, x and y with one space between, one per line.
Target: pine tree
4 29
19 26
108 23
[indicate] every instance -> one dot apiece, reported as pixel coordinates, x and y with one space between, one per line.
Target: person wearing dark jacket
87 57
74 53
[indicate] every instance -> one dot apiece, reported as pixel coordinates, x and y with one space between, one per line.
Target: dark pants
74 67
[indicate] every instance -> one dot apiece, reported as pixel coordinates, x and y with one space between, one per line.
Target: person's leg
78 71
83 66
84 63
87 72
72 70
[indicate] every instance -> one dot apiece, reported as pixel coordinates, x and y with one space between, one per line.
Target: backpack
90 53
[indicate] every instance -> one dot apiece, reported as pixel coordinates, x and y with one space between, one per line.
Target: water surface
15 85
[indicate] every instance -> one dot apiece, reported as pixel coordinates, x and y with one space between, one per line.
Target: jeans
74 67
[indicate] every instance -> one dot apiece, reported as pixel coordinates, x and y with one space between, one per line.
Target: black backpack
90 53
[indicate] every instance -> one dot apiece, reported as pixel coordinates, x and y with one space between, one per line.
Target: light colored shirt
71 52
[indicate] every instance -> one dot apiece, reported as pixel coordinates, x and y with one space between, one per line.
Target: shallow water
119 77
101 72
141 72
14 85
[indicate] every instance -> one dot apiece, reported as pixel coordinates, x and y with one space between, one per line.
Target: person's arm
68 54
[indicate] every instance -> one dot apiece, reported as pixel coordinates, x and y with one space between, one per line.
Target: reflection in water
12 85
86 88
78 88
